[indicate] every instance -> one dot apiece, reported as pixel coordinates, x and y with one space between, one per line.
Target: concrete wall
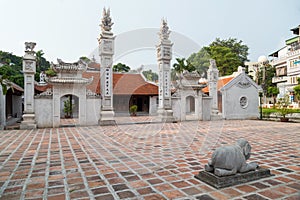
93 106
232 108
153 105
43 112
206 108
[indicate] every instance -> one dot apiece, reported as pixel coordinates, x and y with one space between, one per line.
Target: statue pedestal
166 115
107 118
215 115
28 122
226 181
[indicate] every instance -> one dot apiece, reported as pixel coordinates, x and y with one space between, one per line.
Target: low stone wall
43 112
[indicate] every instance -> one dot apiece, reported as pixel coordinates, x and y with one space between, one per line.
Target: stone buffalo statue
228 160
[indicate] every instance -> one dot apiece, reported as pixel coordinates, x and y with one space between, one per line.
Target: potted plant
68 108
283 108
133 110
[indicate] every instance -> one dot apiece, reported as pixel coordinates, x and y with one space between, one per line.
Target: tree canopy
150 75
182 65
229 54
11 66
120 67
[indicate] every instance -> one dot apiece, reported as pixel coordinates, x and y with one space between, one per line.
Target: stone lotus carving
229 160
164 31
106 22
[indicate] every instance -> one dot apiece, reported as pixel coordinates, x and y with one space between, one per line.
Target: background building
287 64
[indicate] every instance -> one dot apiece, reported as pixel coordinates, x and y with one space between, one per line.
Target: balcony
279 79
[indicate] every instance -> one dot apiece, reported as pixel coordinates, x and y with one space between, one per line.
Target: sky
68 29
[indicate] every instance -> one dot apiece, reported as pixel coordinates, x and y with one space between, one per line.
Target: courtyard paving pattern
144 161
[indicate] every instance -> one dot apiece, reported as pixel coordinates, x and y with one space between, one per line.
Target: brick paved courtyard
144 161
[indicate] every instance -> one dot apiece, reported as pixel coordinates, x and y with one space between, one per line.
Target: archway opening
69 110
190 105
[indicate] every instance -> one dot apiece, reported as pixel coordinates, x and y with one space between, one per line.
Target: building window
243 102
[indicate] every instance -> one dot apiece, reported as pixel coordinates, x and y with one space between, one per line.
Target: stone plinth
226 181
166 115
28 122
107 118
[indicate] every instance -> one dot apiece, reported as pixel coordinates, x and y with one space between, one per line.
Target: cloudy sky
68 29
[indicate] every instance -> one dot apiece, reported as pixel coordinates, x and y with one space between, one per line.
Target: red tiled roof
94 65
221 83
42 88
123 84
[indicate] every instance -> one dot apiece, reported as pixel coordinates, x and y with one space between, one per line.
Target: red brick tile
271 193
286 190
218 195
246 188
231 192
57 197
173 194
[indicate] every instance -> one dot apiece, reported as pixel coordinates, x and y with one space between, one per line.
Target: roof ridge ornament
106 22
164 30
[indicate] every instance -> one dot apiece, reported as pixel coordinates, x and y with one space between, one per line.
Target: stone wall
43 112
93 106
232 108
153 105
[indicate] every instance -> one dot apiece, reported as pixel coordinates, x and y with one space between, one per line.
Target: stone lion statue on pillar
229 160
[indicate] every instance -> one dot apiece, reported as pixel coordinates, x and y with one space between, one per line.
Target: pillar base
28 122
107 118
166 115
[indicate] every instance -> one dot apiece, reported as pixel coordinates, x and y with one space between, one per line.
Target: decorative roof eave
79 66
67 80
242 81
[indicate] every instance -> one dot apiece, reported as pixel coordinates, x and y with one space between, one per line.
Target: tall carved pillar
106 52
164 56
29 69
213 76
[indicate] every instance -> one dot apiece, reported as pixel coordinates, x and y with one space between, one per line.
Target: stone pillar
29 69
213 76
2 109
106 52
164 56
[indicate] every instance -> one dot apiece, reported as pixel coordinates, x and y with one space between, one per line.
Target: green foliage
266 80
237 47
12 66
201 61
41 63
229 54
150 75
183 65
282 106
133 109
3 85
297 92
68 107
85 59
120 67
226 60
50 73
273 91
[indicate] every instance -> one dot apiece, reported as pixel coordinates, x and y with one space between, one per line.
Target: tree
150 75
229 54
237 47
41 64
120 67
297 90
183 65
273 91
201 61
227 61
85 59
